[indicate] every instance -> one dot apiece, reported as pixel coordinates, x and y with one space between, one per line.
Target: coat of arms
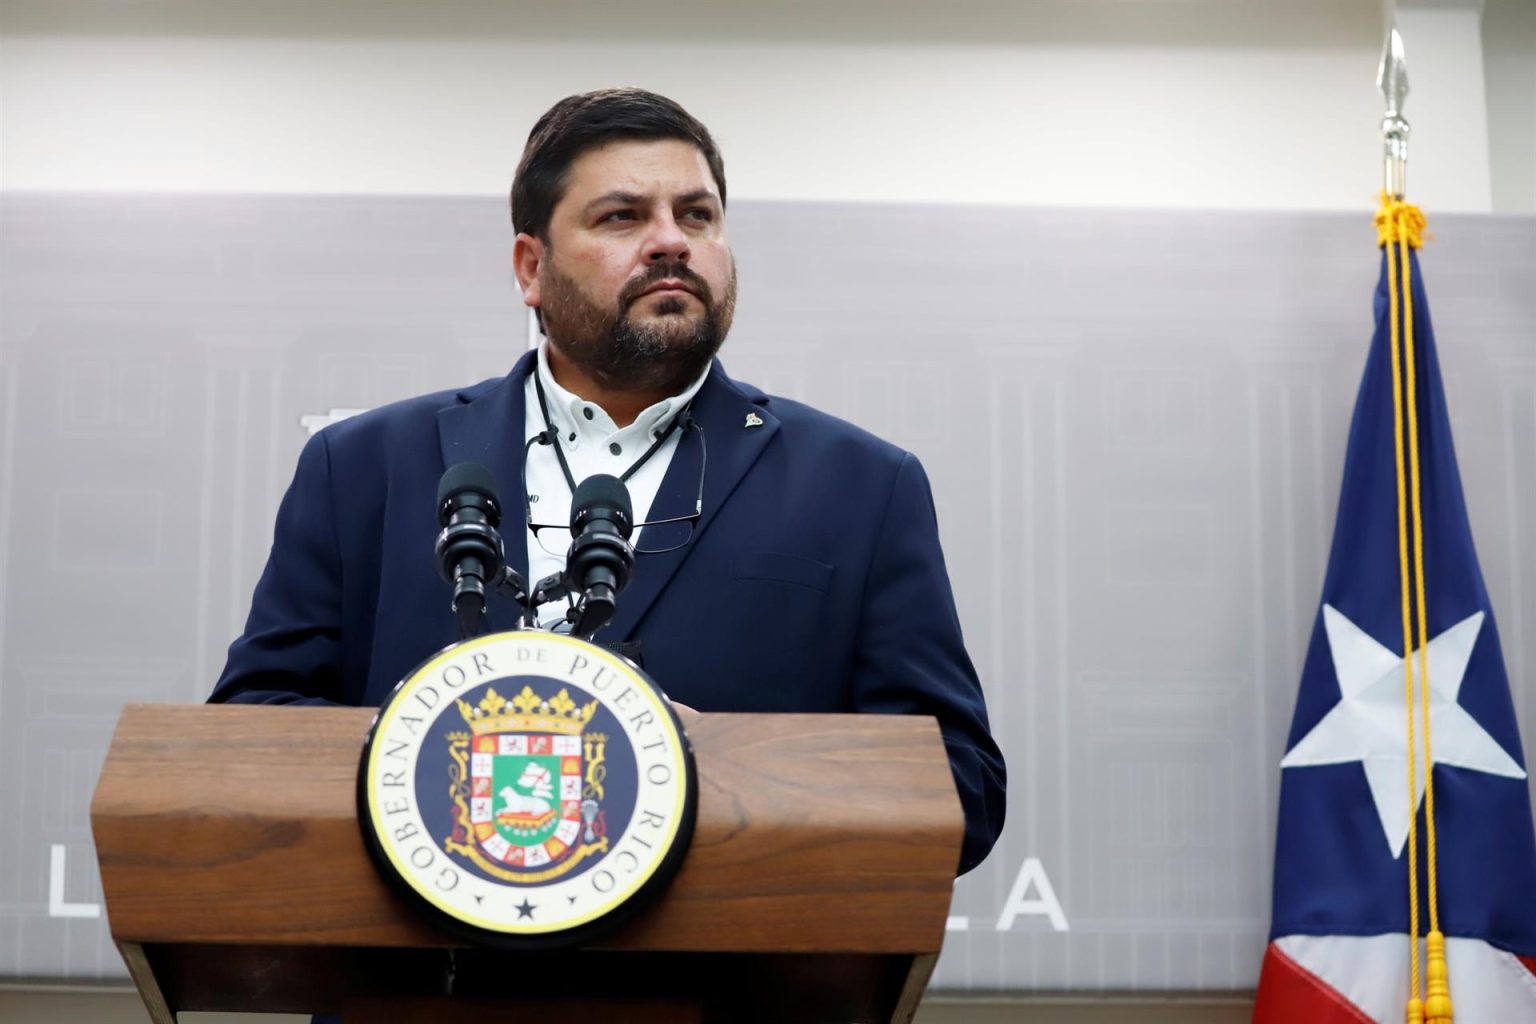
527 788
527 785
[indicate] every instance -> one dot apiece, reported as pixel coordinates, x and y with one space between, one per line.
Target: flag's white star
1369 724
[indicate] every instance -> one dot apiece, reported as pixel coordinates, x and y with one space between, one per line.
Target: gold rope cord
1399 228
1415 1014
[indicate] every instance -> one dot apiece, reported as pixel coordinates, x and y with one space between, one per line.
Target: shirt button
572 437
587 412
616 449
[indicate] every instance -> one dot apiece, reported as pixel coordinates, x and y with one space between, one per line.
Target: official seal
527 789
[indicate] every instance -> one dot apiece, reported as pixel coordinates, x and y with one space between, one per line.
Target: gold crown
527 712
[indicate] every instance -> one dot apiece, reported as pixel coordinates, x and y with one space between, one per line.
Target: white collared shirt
593 443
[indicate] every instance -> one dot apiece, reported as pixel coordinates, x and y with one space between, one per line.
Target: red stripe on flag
1289 994
1529 961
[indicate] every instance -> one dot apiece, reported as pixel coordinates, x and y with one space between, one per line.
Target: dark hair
579 123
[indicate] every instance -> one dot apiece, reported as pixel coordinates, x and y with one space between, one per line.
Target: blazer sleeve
290 652
911 658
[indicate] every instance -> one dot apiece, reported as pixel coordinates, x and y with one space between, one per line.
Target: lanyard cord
551 436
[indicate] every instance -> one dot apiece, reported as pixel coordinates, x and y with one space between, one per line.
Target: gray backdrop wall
1134 423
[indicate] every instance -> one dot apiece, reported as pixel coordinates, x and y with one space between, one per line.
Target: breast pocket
779 609
778 567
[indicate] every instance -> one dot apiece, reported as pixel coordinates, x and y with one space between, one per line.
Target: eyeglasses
653 537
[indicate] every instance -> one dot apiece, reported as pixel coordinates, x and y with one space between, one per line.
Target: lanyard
551 436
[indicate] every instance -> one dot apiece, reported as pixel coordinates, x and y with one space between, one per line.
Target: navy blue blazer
814 581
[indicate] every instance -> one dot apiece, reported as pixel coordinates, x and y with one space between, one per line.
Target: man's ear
527 255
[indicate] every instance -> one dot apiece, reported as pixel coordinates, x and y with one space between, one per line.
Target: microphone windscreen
602 496
464 477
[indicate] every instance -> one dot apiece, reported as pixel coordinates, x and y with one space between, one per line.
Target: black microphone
469 552
600 561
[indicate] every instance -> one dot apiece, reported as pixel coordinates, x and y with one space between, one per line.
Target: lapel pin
754 420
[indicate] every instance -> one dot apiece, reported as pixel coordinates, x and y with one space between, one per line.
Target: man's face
636 284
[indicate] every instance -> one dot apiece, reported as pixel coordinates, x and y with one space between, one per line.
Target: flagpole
1392 80
1401 229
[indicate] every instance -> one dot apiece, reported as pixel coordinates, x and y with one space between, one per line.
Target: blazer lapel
486 425
724 412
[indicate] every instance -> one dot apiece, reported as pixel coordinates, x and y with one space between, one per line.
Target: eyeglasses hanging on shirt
655 536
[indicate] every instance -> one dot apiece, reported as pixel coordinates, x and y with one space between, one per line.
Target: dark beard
664 357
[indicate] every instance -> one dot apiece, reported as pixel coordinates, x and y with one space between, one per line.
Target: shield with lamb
526 780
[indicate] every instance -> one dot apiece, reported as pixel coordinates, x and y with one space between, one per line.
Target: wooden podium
816 887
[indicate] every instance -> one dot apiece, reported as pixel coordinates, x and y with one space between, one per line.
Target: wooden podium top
236 826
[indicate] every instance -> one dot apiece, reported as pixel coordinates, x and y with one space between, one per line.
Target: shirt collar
569 413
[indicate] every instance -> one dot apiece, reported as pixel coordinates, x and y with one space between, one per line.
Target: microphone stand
511 585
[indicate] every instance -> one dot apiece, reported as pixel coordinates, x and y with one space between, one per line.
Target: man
810 578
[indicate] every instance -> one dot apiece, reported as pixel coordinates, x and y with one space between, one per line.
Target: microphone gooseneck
469 550
601 559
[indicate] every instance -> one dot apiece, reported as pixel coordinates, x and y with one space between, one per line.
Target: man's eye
700 213
617 215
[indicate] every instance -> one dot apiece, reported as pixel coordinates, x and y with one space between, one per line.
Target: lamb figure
536 779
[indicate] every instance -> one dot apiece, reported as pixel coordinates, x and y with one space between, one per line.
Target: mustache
659 272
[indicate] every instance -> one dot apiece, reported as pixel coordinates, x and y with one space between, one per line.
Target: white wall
1509 48
1173 103
1447 104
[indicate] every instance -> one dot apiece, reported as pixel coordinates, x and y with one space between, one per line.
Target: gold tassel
1437 1004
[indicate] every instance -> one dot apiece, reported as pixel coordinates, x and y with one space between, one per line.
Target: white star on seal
1369 723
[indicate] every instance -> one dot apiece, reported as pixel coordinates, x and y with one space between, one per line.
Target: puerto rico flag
1339 945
